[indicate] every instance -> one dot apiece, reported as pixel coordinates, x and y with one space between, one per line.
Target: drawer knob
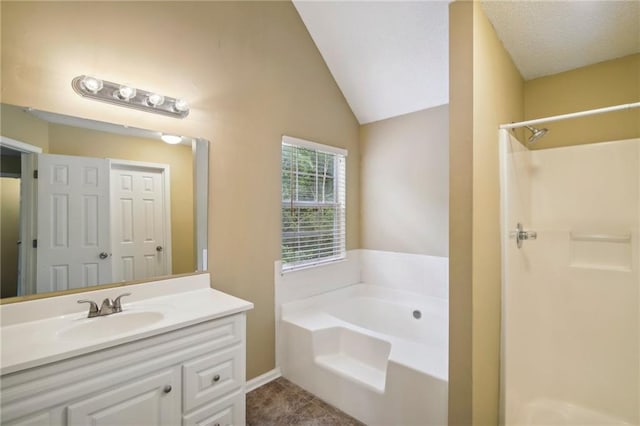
216 378
167 389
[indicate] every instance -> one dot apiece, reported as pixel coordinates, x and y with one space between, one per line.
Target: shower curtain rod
572 115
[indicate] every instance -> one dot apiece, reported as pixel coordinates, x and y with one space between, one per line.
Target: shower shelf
610 238
606 252
601 267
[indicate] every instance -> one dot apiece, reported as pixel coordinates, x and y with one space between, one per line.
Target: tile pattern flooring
281 403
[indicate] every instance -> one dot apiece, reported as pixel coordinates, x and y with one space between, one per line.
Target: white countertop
31 332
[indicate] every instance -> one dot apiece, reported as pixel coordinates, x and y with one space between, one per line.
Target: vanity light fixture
171 139
181 105
125 95
155 100
91 84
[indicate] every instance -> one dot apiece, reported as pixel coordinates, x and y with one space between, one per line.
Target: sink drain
417 314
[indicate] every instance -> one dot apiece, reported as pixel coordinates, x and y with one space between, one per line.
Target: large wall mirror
86 203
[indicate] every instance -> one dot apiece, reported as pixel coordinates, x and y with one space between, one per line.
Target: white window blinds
313 203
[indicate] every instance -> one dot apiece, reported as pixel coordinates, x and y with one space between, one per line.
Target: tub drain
417 314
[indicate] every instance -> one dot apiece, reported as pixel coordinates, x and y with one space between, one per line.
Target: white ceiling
391 58
548 37
388 58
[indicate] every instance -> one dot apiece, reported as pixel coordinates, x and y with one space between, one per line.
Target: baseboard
262 379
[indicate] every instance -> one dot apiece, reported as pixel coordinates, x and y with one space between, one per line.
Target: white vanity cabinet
194 375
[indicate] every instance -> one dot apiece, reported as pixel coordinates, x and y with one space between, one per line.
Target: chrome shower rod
567 116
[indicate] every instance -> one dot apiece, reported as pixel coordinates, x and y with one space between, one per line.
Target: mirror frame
200 162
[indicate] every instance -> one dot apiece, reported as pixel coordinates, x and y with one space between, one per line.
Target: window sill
284 270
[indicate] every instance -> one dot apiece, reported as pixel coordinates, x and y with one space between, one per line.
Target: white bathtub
362 350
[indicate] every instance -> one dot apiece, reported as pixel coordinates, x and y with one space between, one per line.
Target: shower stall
570 281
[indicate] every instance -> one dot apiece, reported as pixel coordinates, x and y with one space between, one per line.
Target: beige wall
90 143
15 124
601 85
460 213
495 91
404 194
9 234
251 73
497 99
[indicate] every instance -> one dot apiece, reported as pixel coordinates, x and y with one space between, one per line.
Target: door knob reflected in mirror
103 255
158 249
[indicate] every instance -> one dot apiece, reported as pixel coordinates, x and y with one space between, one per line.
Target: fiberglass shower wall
571 317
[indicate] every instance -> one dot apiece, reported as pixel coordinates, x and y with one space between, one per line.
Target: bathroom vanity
174 355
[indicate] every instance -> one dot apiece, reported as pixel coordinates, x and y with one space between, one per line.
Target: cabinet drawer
229 411
212 376
40 419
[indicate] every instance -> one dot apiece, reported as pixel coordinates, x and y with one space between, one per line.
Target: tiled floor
281 403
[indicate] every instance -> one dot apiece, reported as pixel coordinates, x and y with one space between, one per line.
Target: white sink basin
110 325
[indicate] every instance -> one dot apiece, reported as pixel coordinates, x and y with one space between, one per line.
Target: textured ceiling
388 58
547 37
391 58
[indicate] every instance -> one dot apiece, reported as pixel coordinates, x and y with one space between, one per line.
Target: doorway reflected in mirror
87 203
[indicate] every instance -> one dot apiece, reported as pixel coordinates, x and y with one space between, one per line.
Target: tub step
353 369
353 355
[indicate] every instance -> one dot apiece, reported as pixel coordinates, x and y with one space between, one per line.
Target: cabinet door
152 400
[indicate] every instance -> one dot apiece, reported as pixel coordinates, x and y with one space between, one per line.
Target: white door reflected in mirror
140 221
100 221
73 222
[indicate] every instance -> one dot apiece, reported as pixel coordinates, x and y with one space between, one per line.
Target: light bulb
126 93
155 100
181 105
91 84
171 139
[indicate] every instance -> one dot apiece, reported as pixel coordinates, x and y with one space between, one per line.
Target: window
313 203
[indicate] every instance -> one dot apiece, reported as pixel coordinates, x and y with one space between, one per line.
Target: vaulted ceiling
388 58
391 58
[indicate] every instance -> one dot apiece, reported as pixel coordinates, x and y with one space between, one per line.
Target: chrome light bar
123 95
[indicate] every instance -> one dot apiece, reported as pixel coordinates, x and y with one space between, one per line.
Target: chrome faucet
108 306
